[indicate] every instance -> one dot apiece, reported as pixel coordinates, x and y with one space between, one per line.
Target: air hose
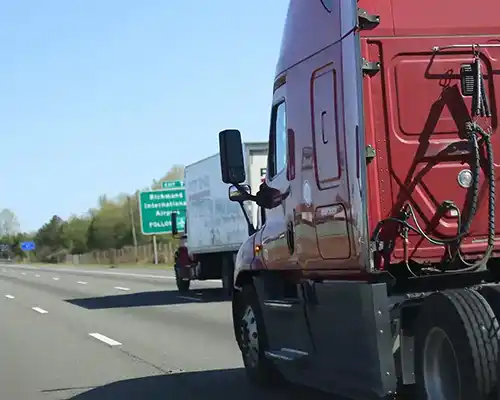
480 108
476 129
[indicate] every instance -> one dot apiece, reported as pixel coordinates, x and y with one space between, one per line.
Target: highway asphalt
95 334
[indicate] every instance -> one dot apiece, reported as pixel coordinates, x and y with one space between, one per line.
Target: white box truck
215 225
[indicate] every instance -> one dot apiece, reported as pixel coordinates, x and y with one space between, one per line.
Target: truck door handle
323 133
290 237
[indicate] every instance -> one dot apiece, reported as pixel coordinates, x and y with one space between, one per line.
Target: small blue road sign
28 246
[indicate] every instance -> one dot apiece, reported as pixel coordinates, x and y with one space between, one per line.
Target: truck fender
245 274
246 262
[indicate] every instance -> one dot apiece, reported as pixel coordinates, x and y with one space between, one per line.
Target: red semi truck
376 271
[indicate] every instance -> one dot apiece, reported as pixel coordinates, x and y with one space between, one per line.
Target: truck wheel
252 339
182 285
492 295
455 354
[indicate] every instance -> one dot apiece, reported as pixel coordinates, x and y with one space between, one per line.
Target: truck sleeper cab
376 272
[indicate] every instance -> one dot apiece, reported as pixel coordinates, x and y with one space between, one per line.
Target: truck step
283 304
286 354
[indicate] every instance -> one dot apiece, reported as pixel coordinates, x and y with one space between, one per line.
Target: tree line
113 224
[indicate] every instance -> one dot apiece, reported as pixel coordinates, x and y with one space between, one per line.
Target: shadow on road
208 385
155 298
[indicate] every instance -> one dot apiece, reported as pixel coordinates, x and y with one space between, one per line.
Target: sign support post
155 250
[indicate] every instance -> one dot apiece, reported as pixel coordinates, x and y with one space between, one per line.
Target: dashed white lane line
81 283
9 296
126 289
39 310
105 339
23 273
38 276
56 279
189 298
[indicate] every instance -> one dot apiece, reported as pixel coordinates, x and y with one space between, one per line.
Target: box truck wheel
227 275
455 352
252 339
182 284
227 284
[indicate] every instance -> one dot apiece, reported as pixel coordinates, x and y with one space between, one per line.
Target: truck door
282 301
328 141
274 238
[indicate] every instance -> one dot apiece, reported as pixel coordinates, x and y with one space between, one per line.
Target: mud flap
350 327
184 272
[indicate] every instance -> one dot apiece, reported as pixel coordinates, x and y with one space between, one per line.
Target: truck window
277 140
327 4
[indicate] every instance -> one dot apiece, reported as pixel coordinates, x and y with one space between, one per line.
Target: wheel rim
440 367
250 337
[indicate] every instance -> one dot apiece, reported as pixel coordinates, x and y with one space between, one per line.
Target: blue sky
103 96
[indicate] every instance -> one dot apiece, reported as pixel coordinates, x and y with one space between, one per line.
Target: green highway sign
172 184
156 207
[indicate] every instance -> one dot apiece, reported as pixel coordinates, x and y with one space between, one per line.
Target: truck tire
252 339
492 295
455 353
182 285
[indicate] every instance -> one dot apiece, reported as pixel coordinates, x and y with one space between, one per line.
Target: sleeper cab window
328 4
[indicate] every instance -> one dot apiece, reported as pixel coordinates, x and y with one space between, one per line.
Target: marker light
465 178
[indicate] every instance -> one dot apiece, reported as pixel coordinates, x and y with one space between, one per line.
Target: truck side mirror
238 195
173 219
231 156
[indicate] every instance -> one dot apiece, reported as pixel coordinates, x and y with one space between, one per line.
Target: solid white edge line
9 296
126 289
88 272
39 310
105 339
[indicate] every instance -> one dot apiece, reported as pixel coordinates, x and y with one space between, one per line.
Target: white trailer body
214 223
